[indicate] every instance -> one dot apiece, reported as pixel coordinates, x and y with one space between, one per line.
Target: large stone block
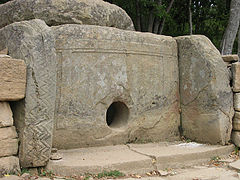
8 147
8 133
9 165
236 76
114 87
56 12
236 121
12 79
33 42
6 116
206 96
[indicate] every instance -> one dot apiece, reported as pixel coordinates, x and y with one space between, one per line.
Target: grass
114 173
215 158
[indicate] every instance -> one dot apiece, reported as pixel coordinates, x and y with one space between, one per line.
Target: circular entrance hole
117 115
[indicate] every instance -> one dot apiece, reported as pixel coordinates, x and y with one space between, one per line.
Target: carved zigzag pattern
38 135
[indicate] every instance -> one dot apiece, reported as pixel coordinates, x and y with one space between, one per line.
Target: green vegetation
110 174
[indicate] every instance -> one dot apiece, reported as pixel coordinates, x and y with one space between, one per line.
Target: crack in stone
153 158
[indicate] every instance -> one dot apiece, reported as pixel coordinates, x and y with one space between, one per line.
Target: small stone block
12 79
8 147
9 165
6 118
236 138
236 76
8 133
230 58
236 101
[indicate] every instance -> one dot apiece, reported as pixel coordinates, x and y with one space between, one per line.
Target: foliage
114 173
210 17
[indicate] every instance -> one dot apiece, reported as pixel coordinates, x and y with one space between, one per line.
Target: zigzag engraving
39 107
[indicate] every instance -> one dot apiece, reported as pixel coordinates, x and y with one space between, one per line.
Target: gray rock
206 96
56 12
33 42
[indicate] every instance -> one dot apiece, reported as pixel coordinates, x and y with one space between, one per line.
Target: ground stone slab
9 165
12 79
205 93
33 42
56 12
135 158
236 76
6 116
114 87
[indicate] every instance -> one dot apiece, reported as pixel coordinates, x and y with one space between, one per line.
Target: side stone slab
206 96
57 12
33 42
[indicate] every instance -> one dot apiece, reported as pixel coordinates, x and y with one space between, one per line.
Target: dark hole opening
117 115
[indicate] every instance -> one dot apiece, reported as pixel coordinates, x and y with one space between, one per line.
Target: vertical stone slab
33 41
205 93
101 70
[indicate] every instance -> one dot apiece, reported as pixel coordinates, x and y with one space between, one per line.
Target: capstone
57 12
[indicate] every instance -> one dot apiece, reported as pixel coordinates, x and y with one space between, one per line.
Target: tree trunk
232 28
190 16
138 16
164 19
157 20
151 20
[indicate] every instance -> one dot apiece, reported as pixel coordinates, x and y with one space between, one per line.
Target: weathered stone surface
8 133
33 42
236 138
236 101
9 165
56 12
6 116
236 76
4 51
230 58
236 121
12 79
98 66
9 147
206 97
